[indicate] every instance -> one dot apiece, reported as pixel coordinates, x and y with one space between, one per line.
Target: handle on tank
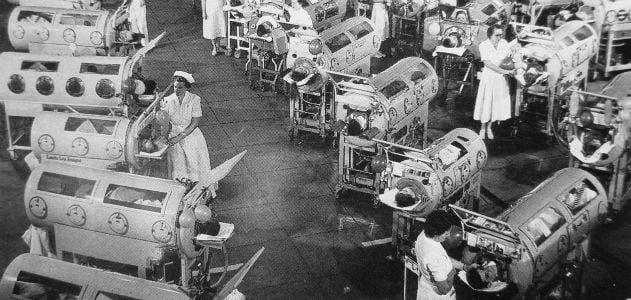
402 147
591 94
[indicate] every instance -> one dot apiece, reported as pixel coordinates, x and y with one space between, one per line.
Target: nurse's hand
472 266
176 139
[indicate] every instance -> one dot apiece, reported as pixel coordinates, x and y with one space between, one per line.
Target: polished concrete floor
280 195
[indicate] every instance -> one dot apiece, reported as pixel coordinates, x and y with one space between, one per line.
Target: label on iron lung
62 158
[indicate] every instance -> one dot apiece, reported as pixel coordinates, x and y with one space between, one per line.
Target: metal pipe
592 94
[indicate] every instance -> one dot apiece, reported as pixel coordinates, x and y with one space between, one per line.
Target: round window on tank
16 83
44 85
74 87
105 88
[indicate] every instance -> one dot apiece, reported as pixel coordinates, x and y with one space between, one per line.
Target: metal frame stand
364 9
309 116
237 29
616 38
346 164
268 64
450 63
401 35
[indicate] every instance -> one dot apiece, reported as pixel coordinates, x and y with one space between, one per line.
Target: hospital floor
280 196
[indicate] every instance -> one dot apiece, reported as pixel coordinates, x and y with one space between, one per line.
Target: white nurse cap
187 76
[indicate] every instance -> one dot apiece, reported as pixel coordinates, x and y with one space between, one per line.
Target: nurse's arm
494 67
445 286
191 127
176 139
458 265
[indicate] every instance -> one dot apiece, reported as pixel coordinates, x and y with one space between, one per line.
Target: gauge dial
350 56
19 32
96 37
448 186
76 215
43 33
407 106
37 206
540 266
562 245
480 159
376 41
114 149
466 171
334 64
80 146
69 35
118 223
393 113
46 143
419 95
161 231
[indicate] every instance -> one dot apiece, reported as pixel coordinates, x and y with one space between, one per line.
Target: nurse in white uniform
188 153
493 101
436 272
299 15
138 19
214 24
379 18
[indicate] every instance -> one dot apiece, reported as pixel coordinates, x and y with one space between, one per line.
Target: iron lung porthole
16 83
105 88
74 87
45 85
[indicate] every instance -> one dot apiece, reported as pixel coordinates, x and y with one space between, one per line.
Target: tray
155 155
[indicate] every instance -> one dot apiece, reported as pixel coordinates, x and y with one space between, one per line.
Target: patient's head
482 276
475 279
461 17
405 197
592 140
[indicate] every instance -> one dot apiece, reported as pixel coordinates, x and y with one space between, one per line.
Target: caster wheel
253 86
339 192
513 132
237 54
550 141
293 134
375 201
13 155
334 143
593 76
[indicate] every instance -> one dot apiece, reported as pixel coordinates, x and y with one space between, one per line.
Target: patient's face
461 17
488 272
408 191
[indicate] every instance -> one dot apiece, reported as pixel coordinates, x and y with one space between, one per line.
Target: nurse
436 272
138 19
493 101
188 153
214 24
379 17
299 15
